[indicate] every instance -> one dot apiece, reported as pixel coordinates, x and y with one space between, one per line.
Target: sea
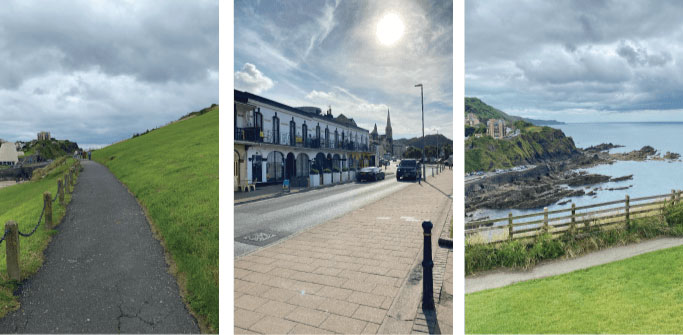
649 177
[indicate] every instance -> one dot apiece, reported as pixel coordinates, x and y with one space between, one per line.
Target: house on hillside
8 154
274 142
471 120
495 128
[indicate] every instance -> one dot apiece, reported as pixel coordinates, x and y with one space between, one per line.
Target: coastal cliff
532 146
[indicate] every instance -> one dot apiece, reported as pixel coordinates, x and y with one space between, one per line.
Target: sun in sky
390 29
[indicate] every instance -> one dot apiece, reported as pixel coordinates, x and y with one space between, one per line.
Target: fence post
510 226
427 265
545 219
673 197
573 224
47 202
628 212
60 191
66 183
12 250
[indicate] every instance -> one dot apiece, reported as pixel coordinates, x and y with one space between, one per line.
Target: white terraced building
8 154
274 142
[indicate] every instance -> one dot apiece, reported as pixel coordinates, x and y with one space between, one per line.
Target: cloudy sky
324 53
577 61
96 72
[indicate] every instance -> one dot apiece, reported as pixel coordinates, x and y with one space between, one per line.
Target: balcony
253 134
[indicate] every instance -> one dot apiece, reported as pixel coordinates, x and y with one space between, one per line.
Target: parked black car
408 168
370 173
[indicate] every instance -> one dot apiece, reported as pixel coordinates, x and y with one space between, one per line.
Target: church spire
388 128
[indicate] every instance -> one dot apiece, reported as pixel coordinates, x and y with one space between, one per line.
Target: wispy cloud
327 53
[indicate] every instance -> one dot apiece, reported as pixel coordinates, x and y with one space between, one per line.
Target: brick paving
341 276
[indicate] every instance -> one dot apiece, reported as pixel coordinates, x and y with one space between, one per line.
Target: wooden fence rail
533 224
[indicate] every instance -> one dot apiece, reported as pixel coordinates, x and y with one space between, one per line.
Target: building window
292 132
304 134
276 129
336 139
327 137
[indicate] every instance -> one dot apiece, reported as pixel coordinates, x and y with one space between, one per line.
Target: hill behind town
173 173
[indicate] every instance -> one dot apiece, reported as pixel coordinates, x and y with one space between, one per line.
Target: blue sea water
649 177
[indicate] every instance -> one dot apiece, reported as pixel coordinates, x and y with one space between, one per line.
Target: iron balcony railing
254 134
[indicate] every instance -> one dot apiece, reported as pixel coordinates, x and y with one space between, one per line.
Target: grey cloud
96 72
156 42
638 56
590 55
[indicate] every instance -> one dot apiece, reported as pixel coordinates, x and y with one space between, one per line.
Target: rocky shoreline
550 182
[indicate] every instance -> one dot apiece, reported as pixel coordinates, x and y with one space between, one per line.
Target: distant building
382 145
8 154
495 128
44 136
471 120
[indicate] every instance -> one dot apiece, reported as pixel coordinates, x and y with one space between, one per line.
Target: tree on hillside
413 153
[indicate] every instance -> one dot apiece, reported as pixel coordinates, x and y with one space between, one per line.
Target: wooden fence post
12 250
47 202
545 219
628 211
66 183
60 191
673 197
573 224
510 226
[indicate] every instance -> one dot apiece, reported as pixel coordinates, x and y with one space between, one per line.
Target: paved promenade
358 273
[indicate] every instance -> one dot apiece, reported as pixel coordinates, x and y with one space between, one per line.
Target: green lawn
23 203
173 172
643 294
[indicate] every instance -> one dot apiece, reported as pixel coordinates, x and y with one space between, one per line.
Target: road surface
262 223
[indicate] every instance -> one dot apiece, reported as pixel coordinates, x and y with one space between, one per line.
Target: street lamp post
424 175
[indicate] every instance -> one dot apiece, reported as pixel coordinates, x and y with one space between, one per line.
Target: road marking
409 219
383 218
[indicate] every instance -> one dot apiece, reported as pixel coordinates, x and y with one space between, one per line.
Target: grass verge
642 294
173 173
526 253
23 203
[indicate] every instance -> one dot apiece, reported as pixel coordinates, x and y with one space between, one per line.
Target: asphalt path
287 215
104 272
500 278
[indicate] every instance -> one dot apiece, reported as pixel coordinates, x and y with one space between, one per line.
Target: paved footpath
104 272
499 278
358 273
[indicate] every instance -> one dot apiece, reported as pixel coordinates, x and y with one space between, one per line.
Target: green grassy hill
173 172
533 145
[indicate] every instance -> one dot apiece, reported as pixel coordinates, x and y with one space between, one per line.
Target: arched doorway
320 162
275 169
335 161
302 165
290 166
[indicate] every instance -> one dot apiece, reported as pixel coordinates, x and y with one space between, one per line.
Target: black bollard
427 265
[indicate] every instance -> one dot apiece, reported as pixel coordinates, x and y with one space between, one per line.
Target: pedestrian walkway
359 273
104 272
499 278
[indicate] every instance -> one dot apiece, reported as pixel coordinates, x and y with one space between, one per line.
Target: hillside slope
485 112
173 172
533 145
